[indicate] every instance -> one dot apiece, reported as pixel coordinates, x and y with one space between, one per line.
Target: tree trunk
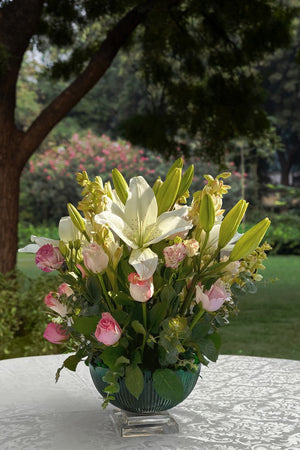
285 165
9 206
16 147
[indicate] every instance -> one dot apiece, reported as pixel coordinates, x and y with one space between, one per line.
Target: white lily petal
141 207
117 201
144 261
167 224
229 247
67 231
118 225
40 241
30 248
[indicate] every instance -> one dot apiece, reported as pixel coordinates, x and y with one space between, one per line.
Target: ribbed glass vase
149 400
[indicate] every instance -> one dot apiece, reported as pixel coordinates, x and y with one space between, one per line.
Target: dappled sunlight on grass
268 322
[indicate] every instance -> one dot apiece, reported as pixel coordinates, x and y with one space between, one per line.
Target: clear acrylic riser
130 424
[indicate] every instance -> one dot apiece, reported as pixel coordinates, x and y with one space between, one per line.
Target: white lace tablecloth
239 403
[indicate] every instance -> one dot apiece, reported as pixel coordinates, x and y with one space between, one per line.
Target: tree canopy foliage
197 57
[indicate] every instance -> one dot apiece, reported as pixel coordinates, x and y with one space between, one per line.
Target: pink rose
108 330
65 289
140 290
49 258
212 299
53 303
174 254
55 333
94 257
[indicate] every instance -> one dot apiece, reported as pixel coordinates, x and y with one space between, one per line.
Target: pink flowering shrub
48 181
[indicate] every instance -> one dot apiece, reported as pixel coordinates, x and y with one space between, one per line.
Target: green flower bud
76 218
178 164
158 183
250 240
207 213
186 181
167 193
120 185
63 248
231 223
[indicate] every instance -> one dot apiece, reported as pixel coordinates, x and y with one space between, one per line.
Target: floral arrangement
148 277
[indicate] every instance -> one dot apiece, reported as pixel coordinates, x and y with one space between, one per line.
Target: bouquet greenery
148 278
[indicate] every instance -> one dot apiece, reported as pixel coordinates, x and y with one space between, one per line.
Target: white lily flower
138 225
67 230
213 240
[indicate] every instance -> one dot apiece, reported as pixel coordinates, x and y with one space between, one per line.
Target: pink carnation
55 333
140 290
49 258
108 330
174 254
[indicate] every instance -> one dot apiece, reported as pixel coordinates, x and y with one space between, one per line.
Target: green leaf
110 355
93 288
199 331
71 362
216 338
138 327
134 380
168 293
208 349
121 317
168 385
112 388
157 315
121 360
121 298
86 325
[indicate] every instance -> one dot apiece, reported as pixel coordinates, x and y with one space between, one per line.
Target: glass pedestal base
131 425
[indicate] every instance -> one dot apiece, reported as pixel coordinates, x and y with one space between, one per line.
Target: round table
240 402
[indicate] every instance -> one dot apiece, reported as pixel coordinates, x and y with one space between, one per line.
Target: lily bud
207 213
158 183
120 185
250 240
76 218
167 193
178 164
63 248
231 223
186 181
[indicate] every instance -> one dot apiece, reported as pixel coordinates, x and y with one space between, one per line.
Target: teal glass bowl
149 400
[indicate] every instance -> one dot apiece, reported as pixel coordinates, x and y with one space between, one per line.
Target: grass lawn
268 323
27 265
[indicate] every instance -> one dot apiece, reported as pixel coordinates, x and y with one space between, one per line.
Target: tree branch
96 68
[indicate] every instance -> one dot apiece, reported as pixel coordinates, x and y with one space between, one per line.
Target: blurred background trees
176 76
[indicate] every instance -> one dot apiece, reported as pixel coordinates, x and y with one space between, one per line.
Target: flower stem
105 293
144 307
196 318
189 296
